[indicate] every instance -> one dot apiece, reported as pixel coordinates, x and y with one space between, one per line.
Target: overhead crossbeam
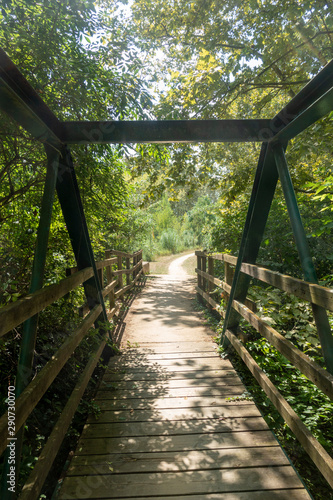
166 131
308 117
23 104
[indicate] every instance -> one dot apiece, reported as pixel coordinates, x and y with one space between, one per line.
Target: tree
81 59
212 53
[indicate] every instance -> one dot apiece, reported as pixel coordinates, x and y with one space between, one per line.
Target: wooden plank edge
227 288
318 375
14 314
311 292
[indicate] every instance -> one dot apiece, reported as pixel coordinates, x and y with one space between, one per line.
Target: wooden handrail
14 314
39 385
34 484
319 376
304 290
315 450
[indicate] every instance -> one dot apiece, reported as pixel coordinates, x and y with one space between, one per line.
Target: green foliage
311 405
289 316
213 53
169 240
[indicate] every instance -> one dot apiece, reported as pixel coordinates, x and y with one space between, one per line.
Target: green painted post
24 369
319 313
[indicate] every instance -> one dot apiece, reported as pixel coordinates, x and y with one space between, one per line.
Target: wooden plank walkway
173 423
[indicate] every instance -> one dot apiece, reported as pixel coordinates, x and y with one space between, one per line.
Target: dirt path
164 311
161 265
176 268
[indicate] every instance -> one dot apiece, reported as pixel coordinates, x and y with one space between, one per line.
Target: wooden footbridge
174 422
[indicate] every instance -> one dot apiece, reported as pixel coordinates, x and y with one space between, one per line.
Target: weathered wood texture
174 422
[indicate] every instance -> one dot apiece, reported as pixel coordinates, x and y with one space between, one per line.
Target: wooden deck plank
182 402
175 423
290 494
143 485
242 439
123 385
171 349
160 346
128 375
228 412
169 461
173 392
152 356
161 365
173 427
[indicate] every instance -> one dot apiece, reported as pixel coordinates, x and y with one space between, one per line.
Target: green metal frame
19 100
315 100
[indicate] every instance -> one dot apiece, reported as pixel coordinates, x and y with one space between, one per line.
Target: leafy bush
170 240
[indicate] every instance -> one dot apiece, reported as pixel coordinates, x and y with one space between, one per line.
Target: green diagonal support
24 369
72 208
260 202
319 313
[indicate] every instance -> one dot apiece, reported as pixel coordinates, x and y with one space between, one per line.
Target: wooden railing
117 265
316 294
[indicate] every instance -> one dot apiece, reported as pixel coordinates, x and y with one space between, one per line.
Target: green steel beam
166 131
72 208
305 98
319 313
259 206
37 277
23 104
313 113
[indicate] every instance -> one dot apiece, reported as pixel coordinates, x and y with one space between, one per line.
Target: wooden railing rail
14 314
319 376
316 294
115 270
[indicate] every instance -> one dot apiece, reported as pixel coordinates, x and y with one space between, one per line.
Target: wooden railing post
134 264
199 298
228 273
204 269
199 269
128 267
109 277
120 276
211 273
140 259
